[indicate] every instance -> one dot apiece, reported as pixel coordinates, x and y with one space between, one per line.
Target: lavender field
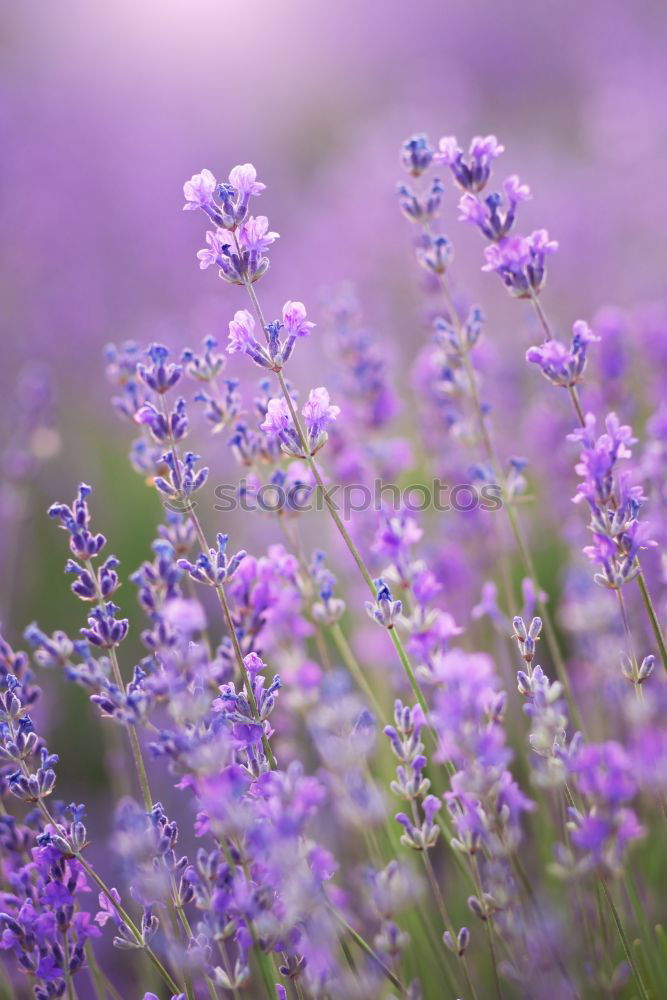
333 516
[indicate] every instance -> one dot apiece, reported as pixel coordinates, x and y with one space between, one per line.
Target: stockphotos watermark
353 497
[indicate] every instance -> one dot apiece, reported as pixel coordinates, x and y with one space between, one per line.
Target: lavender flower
495 216
215 567
473 174
614 502
318 412
384 610
560 365
276 352
416 155
520 262
274 867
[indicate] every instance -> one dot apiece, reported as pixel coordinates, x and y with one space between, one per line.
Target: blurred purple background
109 107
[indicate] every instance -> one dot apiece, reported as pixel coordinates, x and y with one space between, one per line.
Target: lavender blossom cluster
328 788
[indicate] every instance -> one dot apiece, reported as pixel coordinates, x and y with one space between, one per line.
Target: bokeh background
109 106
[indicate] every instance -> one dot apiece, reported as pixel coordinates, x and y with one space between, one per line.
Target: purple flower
473 174
384 610
421 207
613 500
562 365
244 178
294 319
199 191
604 774
216 241
494 216
185 615
319 412
254 234
471 209
521 261
416 155
277 418
241 332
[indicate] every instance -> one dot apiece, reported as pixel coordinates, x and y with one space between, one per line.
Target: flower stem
653 618
517 531
350 661
102 983
220 591
624 941
132 735
356 555
368 950
125 917
641 580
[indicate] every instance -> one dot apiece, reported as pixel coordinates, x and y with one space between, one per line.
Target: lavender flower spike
471 174
561 365
520 262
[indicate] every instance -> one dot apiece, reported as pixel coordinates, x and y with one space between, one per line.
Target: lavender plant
294 694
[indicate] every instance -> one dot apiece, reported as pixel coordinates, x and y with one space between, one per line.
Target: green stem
490 929
101 982
639 913
574 397
125 917
133 737
442 907
185 923
521 544
71 995
220 591
94 972
352 664
653 618
368 950
407 666
312 465
542 317
624 941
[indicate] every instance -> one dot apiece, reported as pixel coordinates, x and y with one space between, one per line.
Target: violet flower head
613 499
496 215
254 234
384 610
214 567
161 375
472 173
329 609
434 253
421 836
416 154
76 521
605 829
561 365
277 350
242 333
548 727
520 262
244 179
527 637
318 413
239 242
214 253
277 419
206 366
199 191
421 207
226 204
295 321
